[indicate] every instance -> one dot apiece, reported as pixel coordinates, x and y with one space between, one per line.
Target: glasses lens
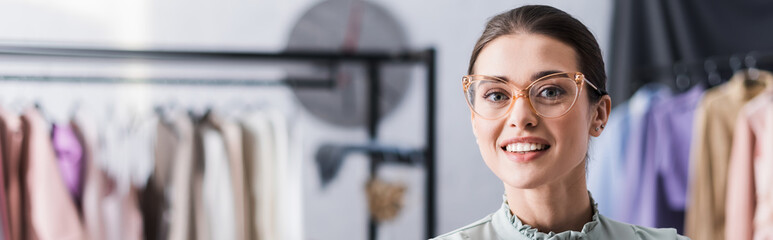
489 98
553 97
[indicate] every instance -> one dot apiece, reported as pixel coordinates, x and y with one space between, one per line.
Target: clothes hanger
752 73
74 109
682 80
200 116
713 77
17 105
735 63
45 115
234 108
165 110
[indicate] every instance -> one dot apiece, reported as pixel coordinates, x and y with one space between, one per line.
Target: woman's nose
521 114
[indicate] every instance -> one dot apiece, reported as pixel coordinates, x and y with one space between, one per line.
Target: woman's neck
558 206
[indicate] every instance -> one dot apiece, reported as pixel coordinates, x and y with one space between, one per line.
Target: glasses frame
578 77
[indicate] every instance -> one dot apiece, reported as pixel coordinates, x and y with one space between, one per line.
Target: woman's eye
496 97
551 92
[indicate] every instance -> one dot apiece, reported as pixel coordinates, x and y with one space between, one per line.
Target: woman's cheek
486 135
573 136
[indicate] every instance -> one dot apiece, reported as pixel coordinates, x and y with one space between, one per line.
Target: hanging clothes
232 137
154 203
715 119
204 177
128 144
639 173
200 222
613 166
260 152
123 219
667 150
181 223
110 207
287 174
4 224
52 212
749 210
216 217
251 171
606 161
166 198
11 139
93 186
69 154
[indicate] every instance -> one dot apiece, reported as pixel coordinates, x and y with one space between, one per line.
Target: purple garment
639 173
665 161
673 153
671 150
69 154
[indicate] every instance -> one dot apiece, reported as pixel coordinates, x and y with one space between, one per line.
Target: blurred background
256 119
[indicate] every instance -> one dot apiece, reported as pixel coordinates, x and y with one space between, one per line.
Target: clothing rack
711 71
371 61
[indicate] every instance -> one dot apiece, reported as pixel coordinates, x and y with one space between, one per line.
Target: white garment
110 210
277 208
289 176
127 145
218 194
232 136
258 127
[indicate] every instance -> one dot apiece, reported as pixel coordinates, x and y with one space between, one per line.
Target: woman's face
520 58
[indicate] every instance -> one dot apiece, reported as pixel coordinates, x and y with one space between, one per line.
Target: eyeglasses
550 96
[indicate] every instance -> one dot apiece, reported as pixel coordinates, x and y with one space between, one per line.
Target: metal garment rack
711 70
371 61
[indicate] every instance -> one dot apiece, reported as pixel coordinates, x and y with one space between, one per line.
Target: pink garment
749 210
52 212
69 153
10 149
94 181
12 140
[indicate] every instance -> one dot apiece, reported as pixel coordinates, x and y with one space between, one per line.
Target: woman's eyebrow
543 73
534 76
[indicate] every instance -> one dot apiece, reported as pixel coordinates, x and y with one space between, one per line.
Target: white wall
467 190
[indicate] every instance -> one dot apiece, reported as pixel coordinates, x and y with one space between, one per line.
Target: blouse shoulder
478 228
618 230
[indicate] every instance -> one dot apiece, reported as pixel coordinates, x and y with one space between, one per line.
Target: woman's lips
523 157
524 149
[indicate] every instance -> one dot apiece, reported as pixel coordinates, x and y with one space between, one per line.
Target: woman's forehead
525 57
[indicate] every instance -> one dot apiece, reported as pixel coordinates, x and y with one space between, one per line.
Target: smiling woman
536 91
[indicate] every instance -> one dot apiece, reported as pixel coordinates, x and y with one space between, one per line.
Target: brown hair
554 23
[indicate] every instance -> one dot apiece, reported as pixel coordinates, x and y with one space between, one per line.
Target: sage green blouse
502 225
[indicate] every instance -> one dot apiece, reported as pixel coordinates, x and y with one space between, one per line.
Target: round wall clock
348 26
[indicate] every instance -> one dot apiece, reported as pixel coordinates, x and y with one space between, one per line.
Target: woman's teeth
525 147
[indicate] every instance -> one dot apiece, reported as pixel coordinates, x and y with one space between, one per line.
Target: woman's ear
600 116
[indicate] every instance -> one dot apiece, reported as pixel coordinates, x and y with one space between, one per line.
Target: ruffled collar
533 233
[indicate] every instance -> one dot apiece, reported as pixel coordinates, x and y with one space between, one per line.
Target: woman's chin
524 179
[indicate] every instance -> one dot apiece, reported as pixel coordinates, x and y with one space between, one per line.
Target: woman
536 91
